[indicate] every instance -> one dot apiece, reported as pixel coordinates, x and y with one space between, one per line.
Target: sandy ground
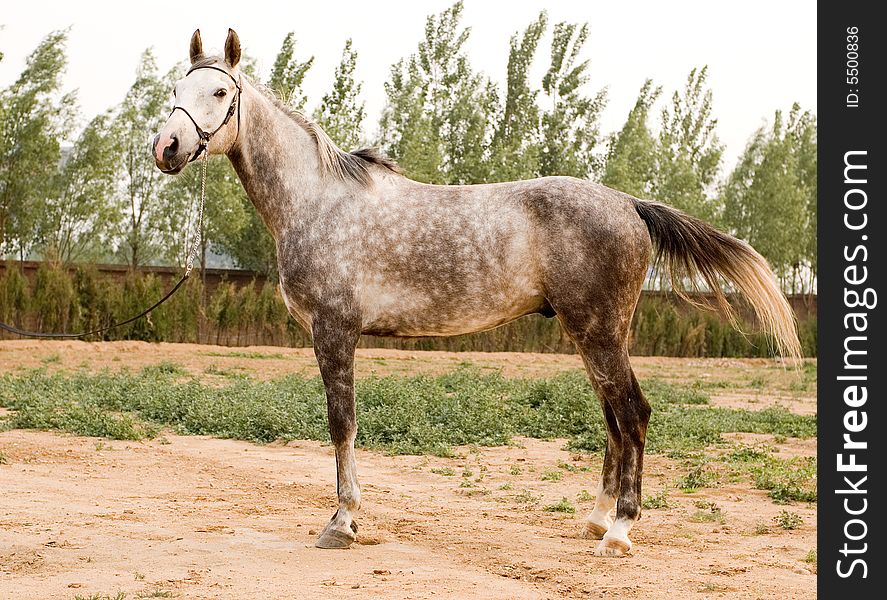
196 517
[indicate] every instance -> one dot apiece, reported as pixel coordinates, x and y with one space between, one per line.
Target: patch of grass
658 500
506 486
708 512
3 459
401 415
697 478
761 529
51 359
525 497
788 520
758 382
117 596
515 470
562 506
787 480
163 369
552 475
445 471
584 496
250 355
747 454
226 373
810 557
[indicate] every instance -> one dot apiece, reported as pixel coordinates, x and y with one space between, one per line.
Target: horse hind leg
627 413
600 519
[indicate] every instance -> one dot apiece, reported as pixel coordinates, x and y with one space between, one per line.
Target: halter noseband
206 136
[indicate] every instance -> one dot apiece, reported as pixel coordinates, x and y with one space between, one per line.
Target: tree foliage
516 142
34 117
341 112
689 150
141 183
288 73
770 197
79 220
631 157
437 121
570 127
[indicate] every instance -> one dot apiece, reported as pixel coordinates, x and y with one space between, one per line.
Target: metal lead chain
195 247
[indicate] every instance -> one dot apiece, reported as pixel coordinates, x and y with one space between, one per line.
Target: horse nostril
170 151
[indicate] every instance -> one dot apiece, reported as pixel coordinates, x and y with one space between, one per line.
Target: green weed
788 520
562 506
401 415
658 500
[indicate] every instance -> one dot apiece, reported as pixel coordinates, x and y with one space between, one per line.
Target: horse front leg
334 344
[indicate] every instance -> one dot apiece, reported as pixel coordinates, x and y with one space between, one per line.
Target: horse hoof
332 539
613 548
593 531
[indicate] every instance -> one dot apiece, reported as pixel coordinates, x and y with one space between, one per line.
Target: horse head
206 108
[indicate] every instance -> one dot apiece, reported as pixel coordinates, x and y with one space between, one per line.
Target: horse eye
220 93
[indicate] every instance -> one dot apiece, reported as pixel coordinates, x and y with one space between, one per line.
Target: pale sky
761 55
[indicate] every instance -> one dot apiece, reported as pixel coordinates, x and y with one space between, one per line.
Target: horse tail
689 248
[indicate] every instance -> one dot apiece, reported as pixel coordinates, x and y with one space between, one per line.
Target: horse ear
232 49
196 49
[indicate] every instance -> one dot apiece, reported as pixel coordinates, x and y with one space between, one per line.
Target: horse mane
347 166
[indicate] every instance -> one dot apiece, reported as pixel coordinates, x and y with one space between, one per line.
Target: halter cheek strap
206 136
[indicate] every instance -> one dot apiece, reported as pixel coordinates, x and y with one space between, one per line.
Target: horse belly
399 311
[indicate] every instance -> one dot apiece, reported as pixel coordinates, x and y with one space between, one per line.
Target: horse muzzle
167 154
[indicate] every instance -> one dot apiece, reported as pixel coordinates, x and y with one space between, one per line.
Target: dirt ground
197 517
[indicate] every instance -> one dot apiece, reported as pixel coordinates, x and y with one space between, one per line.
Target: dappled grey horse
361 249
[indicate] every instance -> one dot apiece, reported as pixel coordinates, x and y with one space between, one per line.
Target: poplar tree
631 158
141 183
769 195
689 153
34 116
341 112
571 123
79 220
288 73
438 115
516 141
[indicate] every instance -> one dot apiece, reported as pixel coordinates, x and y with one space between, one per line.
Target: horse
363 249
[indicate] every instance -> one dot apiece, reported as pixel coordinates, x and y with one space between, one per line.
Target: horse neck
276 160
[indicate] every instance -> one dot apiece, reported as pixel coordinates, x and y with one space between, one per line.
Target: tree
225 211
409 133
438 115
689 150
341 112
287 73
570 127
516 145
769 198
141 185
631 158
79 220
34 117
